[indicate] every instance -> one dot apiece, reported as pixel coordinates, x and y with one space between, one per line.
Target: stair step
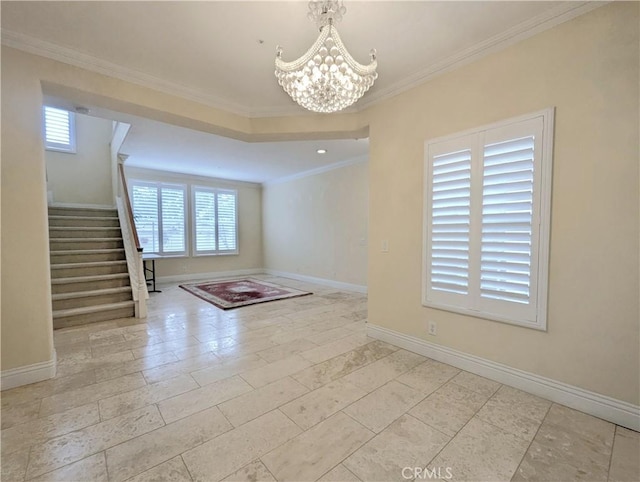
87 255
70 270
89 283
83 294
97 221
53 239
60 244
85 279
92 264
84 232
92 309
90 314
91 212
78 299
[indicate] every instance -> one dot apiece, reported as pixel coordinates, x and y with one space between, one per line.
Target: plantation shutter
227 235
507 208
451 205
146 216
173 220
449 222
487 197
215 221
510 219
59 129
205 220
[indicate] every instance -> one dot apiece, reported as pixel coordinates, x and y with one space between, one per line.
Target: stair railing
132 248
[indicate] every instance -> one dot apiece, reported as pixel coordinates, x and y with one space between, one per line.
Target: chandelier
326 78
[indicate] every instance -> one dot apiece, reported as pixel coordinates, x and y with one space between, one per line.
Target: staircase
89 278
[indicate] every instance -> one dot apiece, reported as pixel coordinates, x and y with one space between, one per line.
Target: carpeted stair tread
86 251
89 264
97 212
84 279
85 294
92 309
76 240
57 232
83 228
79 218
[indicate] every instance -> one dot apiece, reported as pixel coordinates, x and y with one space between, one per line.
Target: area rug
229 294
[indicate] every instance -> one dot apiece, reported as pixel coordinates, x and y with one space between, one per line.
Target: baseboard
320 281
601 406
81 205
247 272
209 275
16 377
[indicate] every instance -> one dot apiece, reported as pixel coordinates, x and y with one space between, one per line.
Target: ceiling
155 145
222 54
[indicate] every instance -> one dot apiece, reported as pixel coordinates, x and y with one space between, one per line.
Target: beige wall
317 225
84 177
588 69
26 293
249 227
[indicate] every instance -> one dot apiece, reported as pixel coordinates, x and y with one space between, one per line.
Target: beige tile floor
290 390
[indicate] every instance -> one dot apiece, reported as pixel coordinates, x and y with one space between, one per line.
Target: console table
149 263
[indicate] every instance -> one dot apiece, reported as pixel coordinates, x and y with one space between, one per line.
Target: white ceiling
222 54
155 145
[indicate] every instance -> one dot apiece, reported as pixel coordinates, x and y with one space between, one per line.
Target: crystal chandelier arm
328 31
355 65
302 61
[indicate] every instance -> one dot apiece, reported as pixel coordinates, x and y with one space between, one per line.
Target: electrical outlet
385 246
433 328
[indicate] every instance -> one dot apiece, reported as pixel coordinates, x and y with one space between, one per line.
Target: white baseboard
320 281
16 377
209 275
81 205
607 408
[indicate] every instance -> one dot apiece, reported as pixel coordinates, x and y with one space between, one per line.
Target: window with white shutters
215 227
59 130
159 211
487 216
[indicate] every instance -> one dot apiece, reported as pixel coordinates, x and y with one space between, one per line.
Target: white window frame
217 251
471 304
58 146
159 186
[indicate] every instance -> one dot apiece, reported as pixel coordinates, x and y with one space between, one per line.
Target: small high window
59 130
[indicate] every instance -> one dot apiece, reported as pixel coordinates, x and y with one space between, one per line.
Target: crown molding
549 19
553 17
73 57
153 175
318 170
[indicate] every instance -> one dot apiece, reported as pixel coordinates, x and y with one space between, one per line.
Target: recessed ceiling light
321 151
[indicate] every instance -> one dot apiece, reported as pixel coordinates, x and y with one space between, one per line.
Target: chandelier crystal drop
326 79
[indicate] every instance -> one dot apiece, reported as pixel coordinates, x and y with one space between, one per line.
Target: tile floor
290 390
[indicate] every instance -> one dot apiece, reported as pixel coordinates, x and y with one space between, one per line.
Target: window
215 229
487 213
59 130
159 213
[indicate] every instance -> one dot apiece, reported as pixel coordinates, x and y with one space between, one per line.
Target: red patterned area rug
229 294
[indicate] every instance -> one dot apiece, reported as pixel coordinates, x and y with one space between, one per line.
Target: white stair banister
132 247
